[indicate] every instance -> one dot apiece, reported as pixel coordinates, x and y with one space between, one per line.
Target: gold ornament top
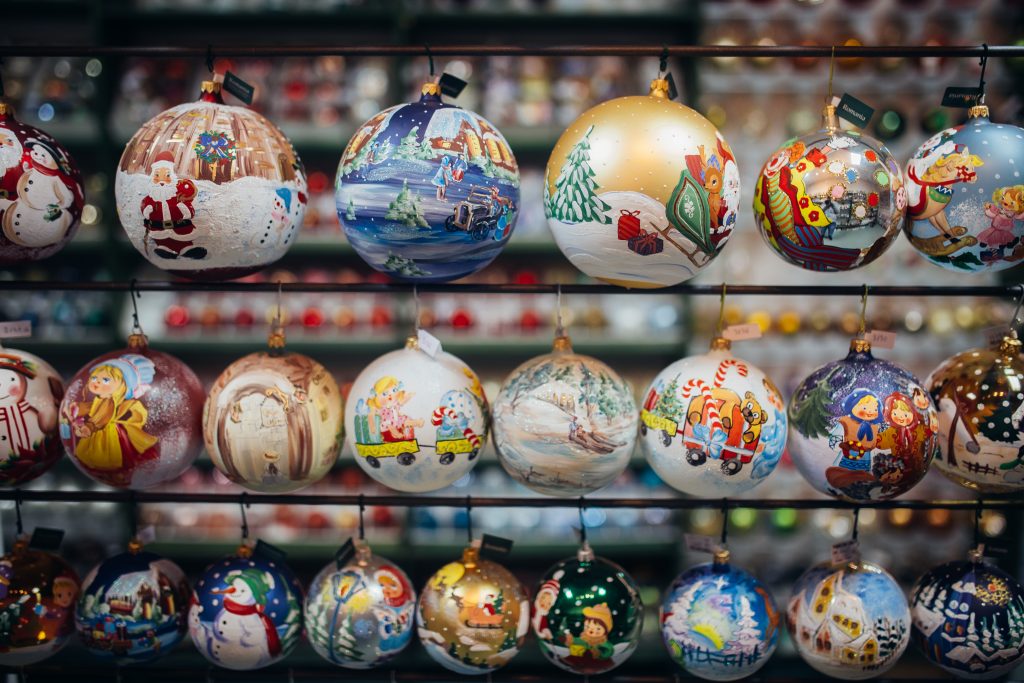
860 345
244 551
363 552
975 555
585 553
720 344
412 343
21 544
430 89
137 341
6 109
829 119
659 88
1010 346
134 546
721 556
562 344
210 87
471 554
978 111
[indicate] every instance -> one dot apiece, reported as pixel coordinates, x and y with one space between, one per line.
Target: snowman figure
242 636
39 217
22 426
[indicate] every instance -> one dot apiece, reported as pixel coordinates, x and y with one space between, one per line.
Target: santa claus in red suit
167 212
10 163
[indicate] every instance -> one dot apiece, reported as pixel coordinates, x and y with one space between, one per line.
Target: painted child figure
386 403
1005 212
860 425
592 642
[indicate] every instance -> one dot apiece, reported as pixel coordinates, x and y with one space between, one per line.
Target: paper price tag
146 535
673 92
847 551
12 329
46 539
269 553
741 332
494 547
961 97
854 111
452 86
237 87
429 344
994 335
881 339
345 553
699 543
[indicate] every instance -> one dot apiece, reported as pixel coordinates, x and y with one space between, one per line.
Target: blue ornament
246 612
966 196
969 619
427 191
719 622
133 607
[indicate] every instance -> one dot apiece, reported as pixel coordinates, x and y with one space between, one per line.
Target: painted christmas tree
350 211
405 209
811 414
575 199
410 146
360 159
383 152
748 636
669 404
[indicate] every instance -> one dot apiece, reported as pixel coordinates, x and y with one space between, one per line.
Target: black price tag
854 111
46 539
961 97
452 86
494 547
270 553
344 553
237 87
672 91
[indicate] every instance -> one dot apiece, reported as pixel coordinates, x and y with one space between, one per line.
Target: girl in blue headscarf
861 424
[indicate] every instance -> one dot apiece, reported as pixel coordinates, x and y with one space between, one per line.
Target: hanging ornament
29 439
246 611
849 621
564 424
587 615
969 618
360 610
830 200
273 419
713 425
41 197
131 418
980 397
133 607
427 191
473 614
404 400
967 196
719 622
641 191
37 605
207 190
862 428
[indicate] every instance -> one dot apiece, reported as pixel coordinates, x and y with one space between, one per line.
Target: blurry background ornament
862 428
29 437
830 200
272 422
564 424
133 607
415 421
966 196
246 611
641 191
849 621
969 618
473 614
41 198
427 191
132 418
587 614
719 622
207 190
37 604
359 611
713 425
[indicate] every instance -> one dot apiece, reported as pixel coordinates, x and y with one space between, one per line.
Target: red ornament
176 316
873 199
462 319
870 155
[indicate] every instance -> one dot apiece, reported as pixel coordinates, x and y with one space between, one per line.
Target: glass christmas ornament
131 418
641 191
830 200
713 425
209 191
41 198
980 398
416 422
133 607
473 614
29 438
359 613
719 622
564 424
849 621
862 428
967 196
587 614
427 191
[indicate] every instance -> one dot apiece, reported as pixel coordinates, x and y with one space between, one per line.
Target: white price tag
741 332
146 535
15 328
847 551
700 543
429 344
881 339
994 335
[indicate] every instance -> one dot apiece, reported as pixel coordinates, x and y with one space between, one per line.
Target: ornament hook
209 57
559 327
725 523
243 503
721 311
978 512
856 523
1 77
430 59
416 309
983 61
663 61
469 519
362 511
1015 319
133 292
831 75
862 330
133 516
583 524
18 525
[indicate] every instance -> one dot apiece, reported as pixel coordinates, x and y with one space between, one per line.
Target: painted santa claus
10 163
167 212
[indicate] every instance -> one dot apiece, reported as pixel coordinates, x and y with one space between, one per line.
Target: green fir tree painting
575 199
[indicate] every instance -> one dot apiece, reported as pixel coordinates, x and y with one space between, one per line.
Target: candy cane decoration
442 412
699 385
724 366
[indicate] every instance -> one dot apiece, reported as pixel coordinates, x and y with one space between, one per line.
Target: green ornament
587 614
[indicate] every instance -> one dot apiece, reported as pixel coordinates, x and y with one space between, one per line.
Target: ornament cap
276 340
1010 346
720 344
562 344
412 343
209 91
978 111
860 345
6 109
975 556
471 554
363 552
659 88
721 557
244 551
138 341
430 89
829 117
134 546
21 544
585 553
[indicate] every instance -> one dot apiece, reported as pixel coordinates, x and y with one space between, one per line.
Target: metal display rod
399 500
508 288
652 50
